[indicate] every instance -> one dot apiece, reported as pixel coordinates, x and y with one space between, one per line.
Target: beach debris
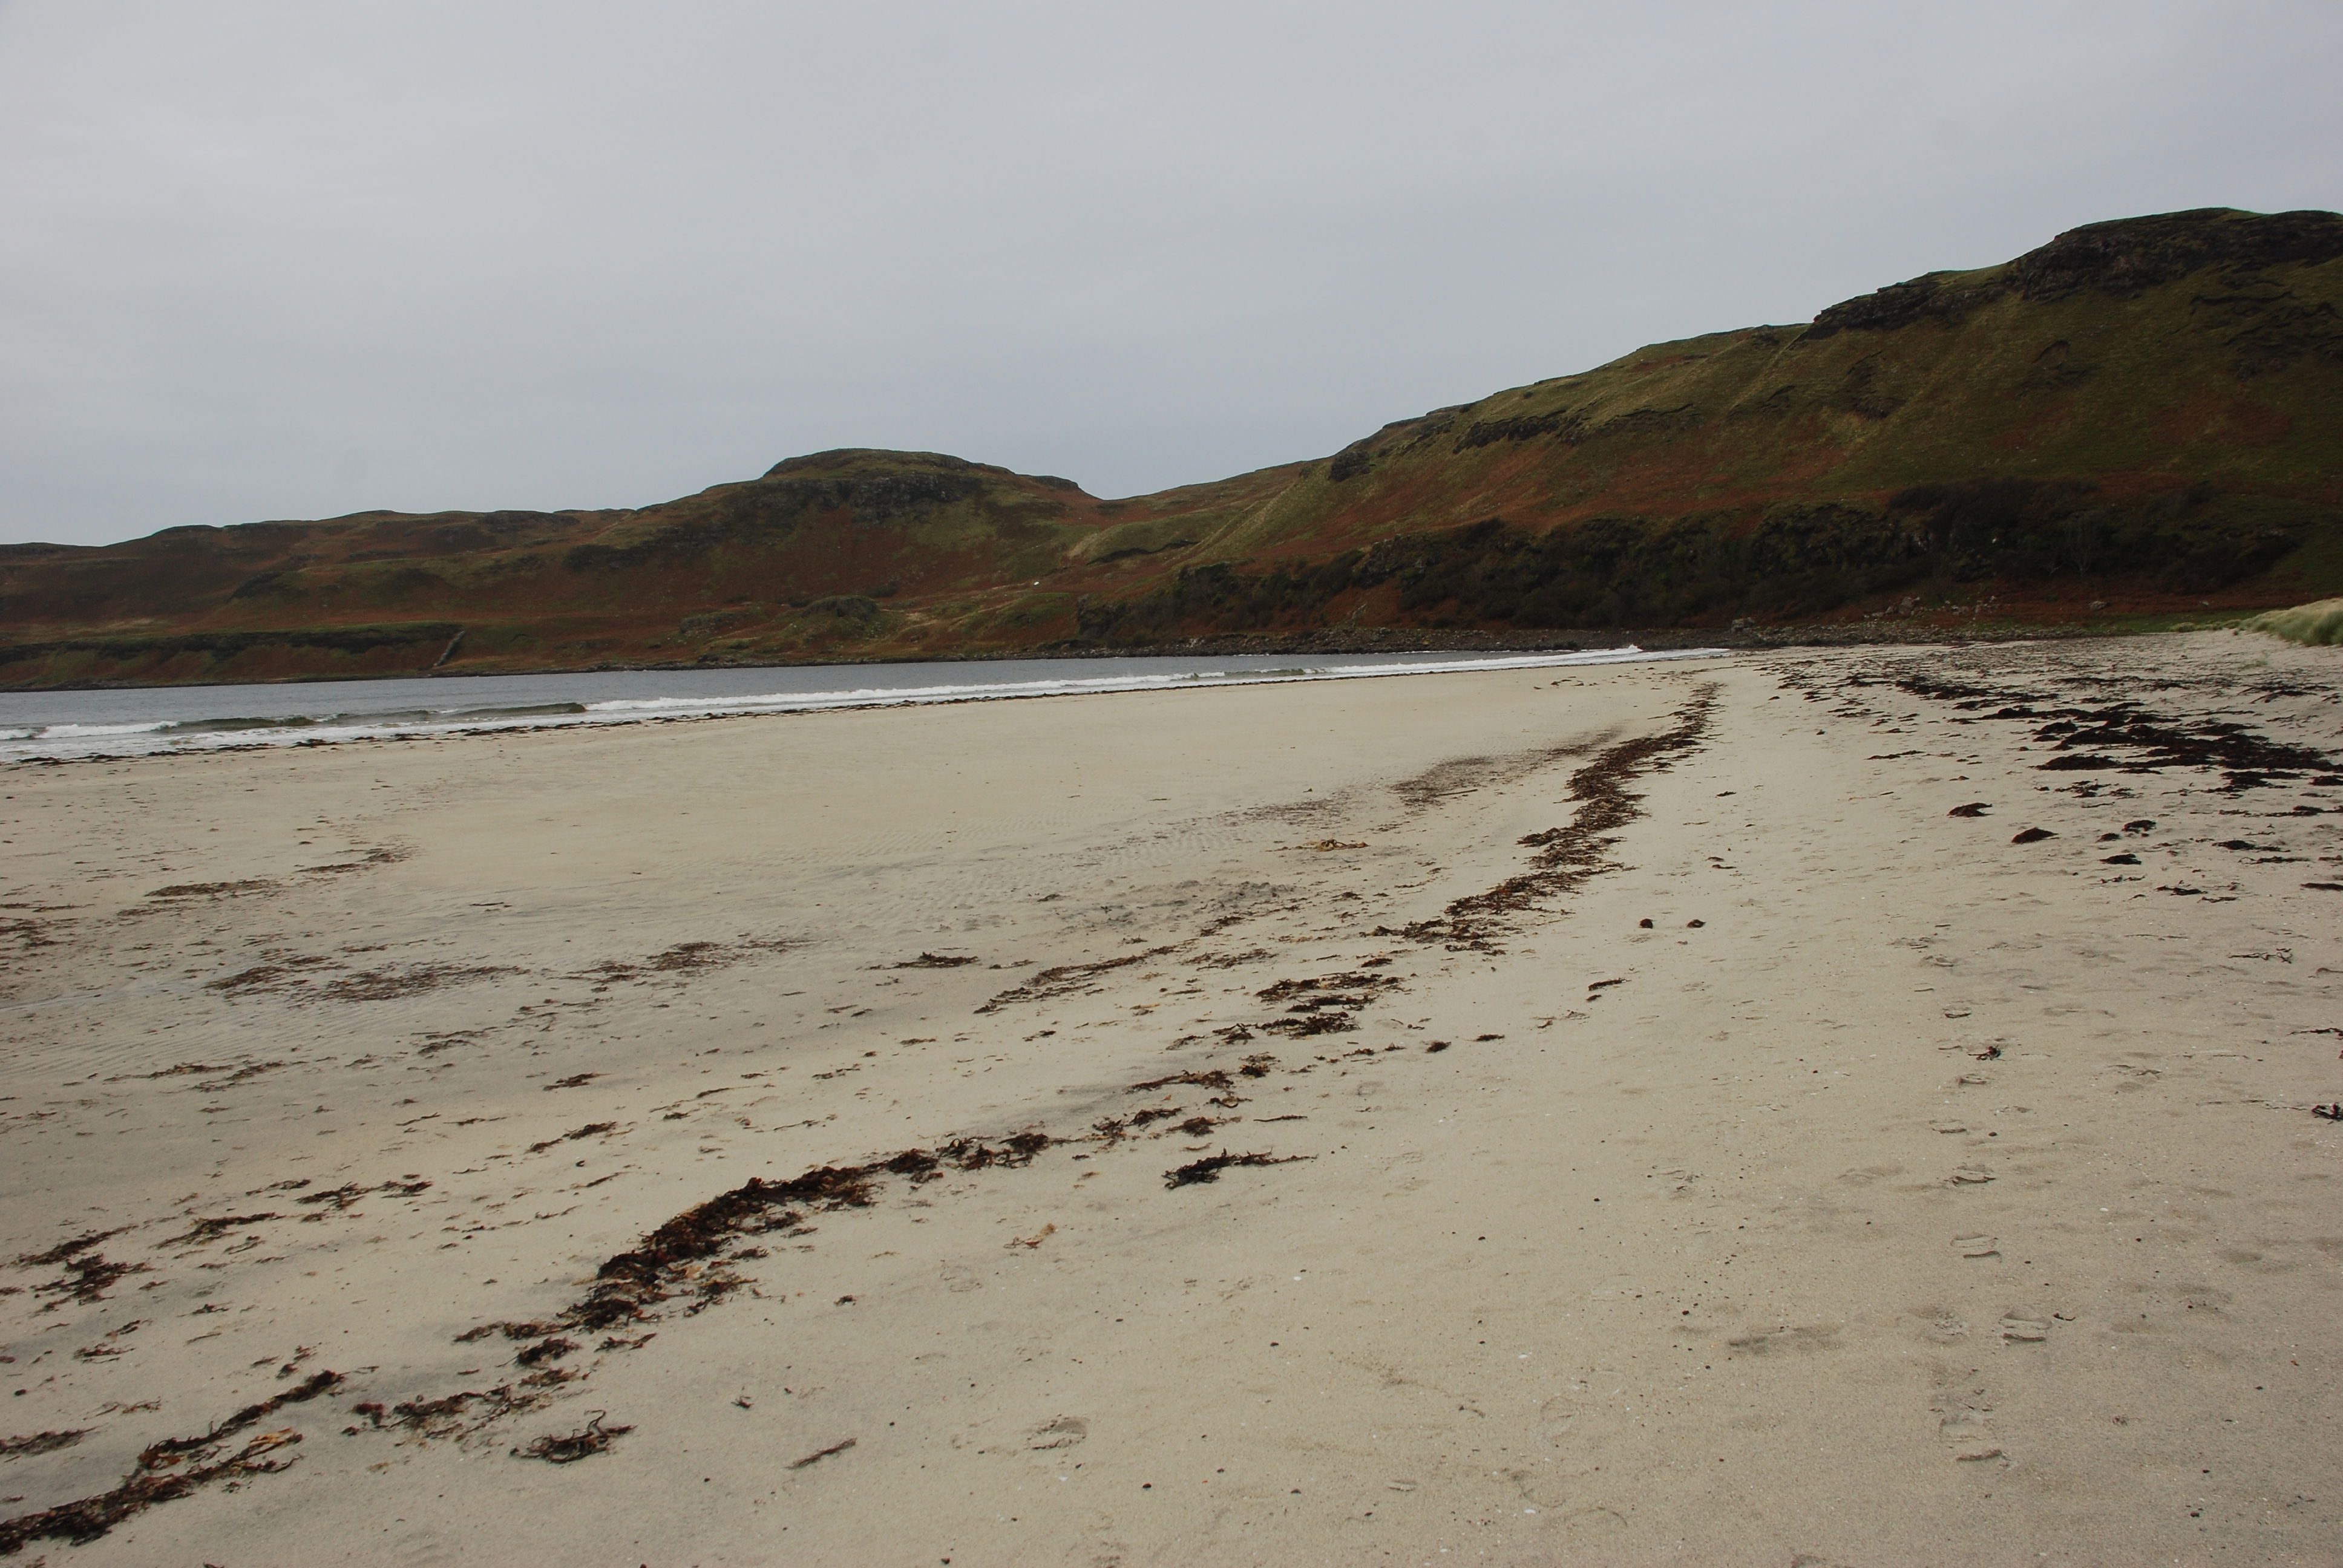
268 976
686 957
2025 1330
1645 924
2083 735
211 1230
1037 1237
87 1277
935 962
575 1081
569 1448
1210 1078
1969 1176
172 1468
2330 1113
384 985
2033 836
1567 856
2125 860
39 1443
1209 1169
818 1455
350 1192
591 1129
1352 990
1323 845
1973 809
1315 1024
1066 980
1977 1245
1694 925
210 889
1436 1046
453 1415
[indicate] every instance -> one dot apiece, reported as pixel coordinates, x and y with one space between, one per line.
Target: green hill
2141 417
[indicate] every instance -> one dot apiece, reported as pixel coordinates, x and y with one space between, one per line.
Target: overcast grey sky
264 260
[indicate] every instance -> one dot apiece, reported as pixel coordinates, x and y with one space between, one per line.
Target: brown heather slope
2141 417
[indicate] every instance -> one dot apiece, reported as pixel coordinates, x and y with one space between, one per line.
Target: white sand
1669 1269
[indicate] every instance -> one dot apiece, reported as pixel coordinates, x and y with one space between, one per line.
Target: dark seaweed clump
2122 736
170 1469
1567 856
569 1448
1209 1169
684 1257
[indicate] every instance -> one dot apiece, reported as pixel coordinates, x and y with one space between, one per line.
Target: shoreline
581 716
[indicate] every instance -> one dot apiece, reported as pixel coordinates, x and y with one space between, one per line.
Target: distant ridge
2142 416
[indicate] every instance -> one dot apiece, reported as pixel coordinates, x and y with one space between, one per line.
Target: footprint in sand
1976 1246
1948 1127
1065 1431
1969 1176
1965 1433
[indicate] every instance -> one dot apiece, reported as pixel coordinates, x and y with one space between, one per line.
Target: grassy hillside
2142 416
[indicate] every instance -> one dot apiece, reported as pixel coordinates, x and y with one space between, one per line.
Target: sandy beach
1746 1110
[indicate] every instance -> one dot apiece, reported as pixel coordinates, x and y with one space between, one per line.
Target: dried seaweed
170 1469
39 1443
591 1129
385 985
211 889
1211 1078
65 1251
1330 989
1209 1169
687 958
821 1453
2083 736
1316 1023
569 1448
1066 980
87 1277
212 1229
1567 856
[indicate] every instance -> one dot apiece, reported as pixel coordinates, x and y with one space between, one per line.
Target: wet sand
1605 1115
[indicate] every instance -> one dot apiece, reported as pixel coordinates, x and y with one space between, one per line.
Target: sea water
82 724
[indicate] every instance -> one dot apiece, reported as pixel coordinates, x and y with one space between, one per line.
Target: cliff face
2147 413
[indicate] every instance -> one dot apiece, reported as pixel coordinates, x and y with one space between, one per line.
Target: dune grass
2315 625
